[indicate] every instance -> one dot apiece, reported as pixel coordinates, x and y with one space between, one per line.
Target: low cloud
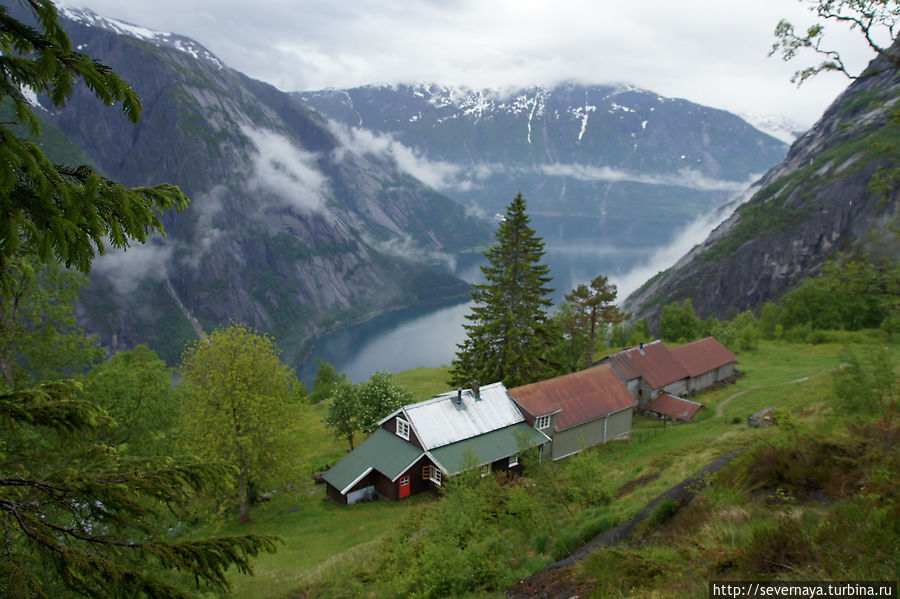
287 172
686 178
405 247
437 174
126 270
666 256
206 207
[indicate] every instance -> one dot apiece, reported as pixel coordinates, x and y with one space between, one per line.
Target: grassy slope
319 537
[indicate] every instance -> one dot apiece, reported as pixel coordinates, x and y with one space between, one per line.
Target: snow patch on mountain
89 18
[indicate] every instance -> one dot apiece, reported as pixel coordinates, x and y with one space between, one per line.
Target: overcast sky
713 52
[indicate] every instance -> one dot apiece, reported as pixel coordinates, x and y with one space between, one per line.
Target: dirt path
721 414
557 581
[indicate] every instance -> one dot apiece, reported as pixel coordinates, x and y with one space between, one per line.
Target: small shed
578 410
673 408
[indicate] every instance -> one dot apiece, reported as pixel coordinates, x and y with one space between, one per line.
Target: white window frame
436 475
542 422
402 428
513 460
485 470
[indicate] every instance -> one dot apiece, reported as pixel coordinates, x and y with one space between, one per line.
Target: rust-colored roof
700 357
673 407
580 397
653 361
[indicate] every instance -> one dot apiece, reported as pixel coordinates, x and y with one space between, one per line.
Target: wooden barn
421 444
707 363
648 370
578 410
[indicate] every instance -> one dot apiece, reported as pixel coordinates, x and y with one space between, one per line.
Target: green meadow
325 545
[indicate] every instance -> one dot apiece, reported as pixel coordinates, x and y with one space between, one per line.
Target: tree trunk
243 499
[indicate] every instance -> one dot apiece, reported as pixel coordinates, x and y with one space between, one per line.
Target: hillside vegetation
819 476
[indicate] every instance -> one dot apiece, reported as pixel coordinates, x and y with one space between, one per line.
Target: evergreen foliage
87 518
589 311
53 212
509 337
237 407
78 515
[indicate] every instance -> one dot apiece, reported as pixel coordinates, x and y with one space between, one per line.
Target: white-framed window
404 481
436 475
542 422
485 470
513 460
402 428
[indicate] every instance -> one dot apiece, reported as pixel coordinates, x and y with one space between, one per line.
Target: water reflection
578 248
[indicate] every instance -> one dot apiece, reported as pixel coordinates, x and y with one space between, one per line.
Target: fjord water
578 249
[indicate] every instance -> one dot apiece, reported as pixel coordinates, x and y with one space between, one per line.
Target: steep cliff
815 203
289 230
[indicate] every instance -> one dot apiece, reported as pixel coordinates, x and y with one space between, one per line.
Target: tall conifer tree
509 333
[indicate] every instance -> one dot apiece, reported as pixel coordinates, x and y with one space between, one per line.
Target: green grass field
321 537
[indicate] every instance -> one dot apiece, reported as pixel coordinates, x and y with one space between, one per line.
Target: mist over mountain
814 205
610 150
314 210
289 230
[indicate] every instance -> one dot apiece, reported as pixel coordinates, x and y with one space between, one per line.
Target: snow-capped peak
159 38
777 126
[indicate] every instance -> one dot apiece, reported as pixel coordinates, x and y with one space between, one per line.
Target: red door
404 487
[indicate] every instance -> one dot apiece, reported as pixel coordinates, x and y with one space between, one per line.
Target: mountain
289 230
813 205
612 151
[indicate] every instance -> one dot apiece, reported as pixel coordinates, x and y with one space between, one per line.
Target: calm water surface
578 249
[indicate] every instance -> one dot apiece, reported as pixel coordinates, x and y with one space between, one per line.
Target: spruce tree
509 333
78 515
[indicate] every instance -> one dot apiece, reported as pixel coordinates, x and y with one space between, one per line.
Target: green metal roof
488 447
383 451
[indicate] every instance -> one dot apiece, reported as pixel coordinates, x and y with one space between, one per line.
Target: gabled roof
444 420
487 448
705 355
579 397
652 361
382 451
676 408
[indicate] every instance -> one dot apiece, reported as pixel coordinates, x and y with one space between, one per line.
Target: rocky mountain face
290 230
612 151
814 204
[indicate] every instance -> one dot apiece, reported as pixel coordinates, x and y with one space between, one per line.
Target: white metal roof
443 420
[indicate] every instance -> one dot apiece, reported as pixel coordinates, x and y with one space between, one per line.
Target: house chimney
475 389
458 399
642 345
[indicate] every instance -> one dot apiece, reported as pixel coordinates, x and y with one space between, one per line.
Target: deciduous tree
592 310
84 519
135 388
237 406
509 337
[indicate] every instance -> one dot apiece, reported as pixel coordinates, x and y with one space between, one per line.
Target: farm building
652 368
707 362
648 370
673 408
578 410
420 444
